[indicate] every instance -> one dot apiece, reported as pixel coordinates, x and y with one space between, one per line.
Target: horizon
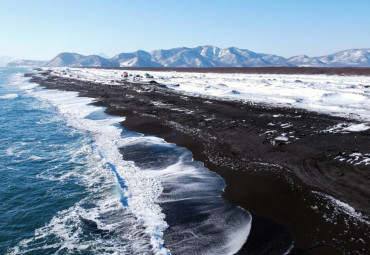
41 29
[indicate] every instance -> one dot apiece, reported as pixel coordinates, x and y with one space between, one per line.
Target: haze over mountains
11 62
4 60
210 56
27 63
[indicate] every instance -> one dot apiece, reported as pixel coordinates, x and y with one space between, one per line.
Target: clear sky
40 29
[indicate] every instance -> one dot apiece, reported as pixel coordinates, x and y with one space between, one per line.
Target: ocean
75 182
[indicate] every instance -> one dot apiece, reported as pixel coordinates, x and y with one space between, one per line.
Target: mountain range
11 62
210 56
4 60
26 63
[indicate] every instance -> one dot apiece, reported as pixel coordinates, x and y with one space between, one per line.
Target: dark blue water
74 182
34 155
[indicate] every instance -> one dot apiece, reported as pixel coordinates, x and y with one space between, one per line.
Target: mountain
211 56
4 60
356 57
77 60
303 60
138 58
65 59
236 57
26 63
346 58
201 56
180 57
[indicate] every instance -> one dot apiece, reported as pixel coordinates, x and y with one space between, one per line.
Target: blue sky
41 29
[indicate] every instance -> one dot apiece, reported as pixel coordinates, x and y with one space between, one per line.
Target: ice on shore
355 158
345 128
344 96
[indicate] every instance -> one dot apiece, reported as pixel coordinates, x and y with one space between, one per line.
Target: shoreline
234 161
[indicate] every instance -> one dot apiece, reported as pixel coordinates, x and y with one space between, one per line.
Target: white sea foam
289 250
18 150
187 184
65 231
66 228
9 96
143 191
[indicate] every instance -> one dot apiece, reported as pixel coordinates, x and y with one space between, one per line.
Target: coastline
236 161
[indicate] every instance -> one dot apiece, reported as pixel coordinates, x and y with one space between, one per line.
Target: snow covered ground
345 96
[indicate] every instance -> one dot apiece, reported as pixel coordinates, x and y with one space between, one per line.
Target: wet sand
272 180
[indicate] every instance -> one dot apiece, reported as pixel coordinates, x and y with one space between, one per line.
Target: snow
345 128
344 96
358 127
355 158
282 138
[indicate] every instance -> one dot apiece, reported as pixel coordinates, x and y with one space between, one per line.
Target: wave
142 191
170 202
200 220
9 96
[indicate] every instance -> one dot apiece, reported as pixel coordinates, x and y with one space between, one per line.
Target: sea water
73 181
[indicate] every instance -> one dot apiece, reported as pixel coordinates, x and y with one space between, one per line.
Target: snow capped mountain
353 58
95 61
303 60
138 58
181 57
233 56
77 60
211 56
245 58
208 51
64 59
201 56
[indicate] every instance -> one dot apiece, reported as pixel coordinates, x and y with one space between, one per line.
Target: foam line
9 96
160 178
143 190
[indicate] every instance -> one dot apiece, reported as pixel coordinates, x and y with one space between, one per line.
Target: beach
292 189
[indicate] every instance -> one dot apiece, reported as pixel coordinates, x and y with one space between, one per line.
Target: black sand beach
275 181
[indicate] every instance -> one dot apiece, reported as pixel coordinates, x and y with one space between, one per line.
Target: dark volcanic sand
270 180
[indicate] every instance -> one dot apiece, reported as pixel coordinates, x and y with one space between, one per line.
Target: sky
41 29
